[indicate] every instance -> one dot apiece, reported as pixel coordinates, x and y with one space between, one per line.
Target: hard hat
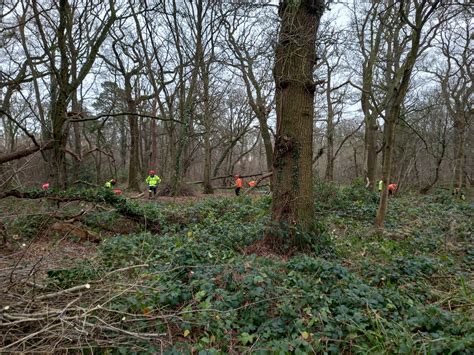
113 181
151 172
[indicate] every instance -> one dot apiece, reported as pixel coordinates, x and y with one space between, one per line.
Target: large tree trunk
292 203
59 170
207 186
59 105
134 163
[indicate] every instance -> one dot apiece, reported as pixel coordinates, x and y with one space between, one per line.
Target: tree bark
371 128
292 204
459 128
134 161
386 171
329 176
154 142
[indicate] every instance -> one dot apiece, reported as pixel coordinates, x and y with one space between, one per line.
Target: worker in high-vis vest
110 183
238 184
380 185
152 181
392 188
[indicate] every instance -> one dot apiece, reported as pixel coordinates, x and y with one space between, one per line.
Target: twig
52 295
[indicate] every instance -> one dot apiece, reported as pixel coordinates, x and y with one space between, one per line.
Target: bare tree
52 42
407 34
456 81
249 52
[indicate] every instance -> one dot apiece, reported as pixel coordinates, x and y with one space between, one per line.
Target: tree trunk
98 163
371 150
207 186
134 162
154 144
133 167
389 130
292 204
267 143
76 108
207 163
59 170
356 168
459 128
329 176
59 105
123 144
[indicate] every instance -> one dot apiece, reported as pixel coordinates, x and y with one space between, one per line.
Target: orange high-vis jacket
252 183
238 182
392 187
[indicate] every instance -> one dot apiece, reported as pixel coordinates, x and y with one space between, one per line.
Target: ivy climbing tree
295 57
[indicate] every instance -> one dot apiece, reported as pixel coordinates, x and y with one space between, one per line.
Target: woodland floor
86 276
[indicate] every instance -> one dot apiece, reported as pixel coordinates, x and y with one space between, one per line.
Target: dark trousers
237 191
152 189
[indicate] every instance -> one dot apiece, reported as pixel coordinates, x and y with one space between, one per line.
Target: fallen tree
124 207
258 181
229 176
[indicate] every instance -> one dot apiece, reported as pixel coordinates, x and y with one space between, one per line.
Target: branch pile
124 207
41 319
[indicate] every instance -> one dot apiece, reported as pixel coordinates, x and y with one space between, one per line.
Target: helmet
113 181
151 172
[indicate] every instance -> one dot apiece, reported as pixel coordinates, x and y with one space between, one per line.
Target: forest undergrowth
188 277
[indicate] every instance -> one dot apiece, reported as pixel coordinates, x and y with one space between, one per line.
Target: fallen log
266 176
225 177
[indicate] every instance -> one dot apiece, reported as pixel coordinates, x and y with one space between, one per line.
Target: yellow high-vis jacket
152 181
